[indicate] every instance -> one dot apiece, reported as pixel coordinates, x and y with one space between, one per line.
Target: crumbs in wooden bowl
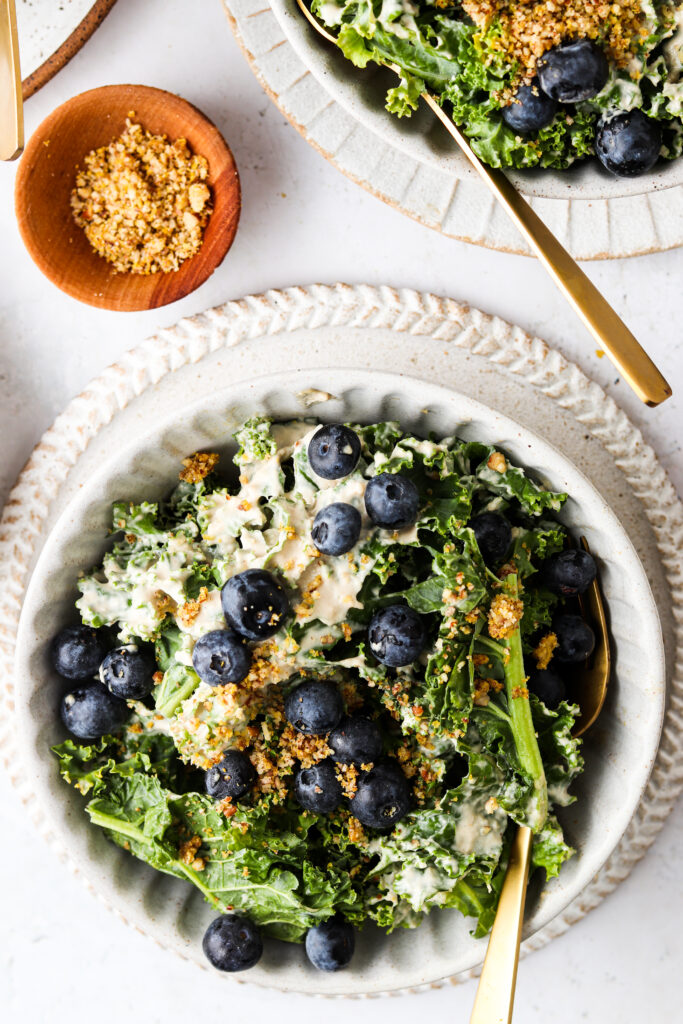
143 201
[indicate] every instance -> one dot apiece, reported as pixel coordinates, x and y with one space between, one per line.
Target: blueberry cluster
315 709
568 574
627 143
79 653
233 943
391 499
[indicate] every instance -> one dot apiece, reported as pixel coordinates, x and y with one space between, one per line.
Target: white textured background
63 954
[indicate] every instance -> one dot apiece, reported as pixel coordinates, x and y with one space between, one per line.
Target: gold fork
11 102
496 990
609 331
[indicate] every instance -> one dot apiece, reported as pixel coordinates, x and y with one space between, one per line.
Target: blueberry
317 788
314 707
494 535
77 652
569 573
396 635
127 672
575 638
330 946
530 110
254 604
548 687
391 501
382 797
336 528
232 943
221 657
91 711
333 451
573 72
232 776
356 740
628 144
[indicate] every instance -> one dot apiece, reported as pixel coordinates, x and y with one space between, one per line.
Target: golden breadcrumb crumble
188 854
504 615
198 466
528 29
143 201
544 650
188 612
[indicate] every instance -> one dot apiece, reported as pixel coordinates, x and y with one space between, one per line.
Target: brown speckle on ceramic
69 48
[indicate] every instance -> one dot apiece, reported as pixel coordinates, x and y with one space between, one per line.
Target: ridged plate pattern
411 165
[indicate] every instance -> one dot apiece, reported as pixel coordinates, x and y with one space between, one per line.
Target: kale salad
324 687
532 83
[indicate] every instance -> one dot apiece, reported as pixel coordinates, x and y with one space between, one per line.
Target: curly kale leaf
455 61
87 766
260 861
255 440
450 854
549 849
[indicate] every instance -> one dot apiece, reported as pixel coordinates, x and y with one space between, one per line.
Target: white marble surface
61 952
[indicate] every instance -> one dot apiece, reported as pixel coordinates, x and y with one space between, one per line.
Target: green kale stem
181 694
124 828
521 722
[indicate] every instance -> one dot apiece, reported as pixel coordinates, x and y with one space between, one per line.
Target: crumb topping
198 466
143 201
188 612
543 652
496 461
188 854
529 29
504 615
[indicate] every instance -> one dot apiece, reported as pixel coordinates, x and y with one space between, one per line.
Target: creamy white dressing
422 886
673 47
478 833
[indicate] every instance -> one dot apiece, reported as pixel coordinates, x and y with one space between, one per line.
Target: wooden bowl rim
149 293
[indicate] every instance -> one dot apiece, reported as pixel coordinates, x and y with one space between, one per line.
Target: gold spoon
609 331
11 100
496 990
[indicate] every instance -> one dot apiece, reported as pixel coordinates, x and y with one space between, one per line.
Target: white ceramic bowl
362 93
620 750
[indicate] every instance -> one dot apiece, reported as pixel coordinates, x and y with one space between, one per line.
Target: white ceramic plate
412 164
442 341
143 464
50 33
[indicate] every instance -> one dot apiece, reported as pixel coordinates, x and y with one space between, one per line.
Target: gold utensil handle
496 990
11 100
607 328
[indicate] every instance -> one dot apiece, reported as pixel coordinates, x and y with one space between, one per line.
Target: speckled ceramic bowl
142 462
363 94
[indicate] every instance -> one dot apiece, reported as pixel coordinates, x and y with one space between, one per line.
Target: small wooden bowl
47 174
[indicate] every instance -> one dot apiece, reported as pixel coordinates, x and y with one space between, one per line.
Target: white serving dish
414 166
363 93
620 751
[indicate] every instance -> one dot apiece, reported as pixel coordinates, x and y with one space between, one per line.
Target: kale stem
185 691
126 829
522 723
116 825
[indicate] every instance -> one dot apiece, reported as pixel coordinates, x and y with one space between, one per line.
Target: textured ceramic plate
413 164
51 33
208 367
